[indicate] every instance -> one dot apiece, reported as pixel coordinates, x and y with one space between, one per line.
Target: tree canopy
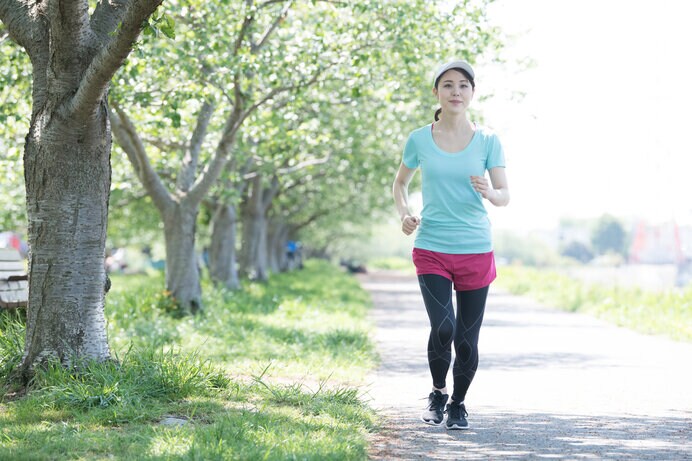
309 101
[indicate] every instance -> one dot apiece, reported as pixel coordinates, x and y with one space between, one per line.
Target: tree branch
191 159
304 180
129 140
294 168
206 73
109 59
305 164
314 217
277 91
69 20
214 168
269 193
21 21
164 146
106 16
272 27
268 2
247 21
242 184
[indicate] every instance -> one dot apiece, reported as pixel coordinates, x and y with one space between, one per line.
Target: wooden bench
14 284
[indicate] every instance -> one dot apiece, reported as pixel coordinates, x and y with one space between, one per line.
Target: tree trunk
222 253
74 54
255 261
254 244
272 256
262 261
182 268
68 177
278 237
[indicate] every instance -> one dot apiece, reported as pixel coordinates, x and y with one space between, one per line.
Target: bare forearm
400 193
499 197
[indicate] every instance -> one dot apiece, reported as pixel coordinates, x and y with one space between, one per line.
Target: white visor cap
454 65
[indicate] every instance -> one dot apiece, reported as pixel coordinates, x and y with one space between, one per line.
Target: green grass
271 372
393 263
666 313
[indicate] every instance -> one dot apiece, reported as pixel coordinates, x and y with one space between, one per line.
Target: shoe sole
456 427
432 423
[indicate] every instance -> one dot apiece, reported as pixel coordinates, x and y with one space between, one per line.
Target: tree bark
272 236
179 211
222 252
254 255
67 174
182 268
278 237
67 168
254 262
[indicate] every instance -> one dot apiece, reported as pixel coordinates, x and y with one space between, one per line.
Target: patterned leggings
445 329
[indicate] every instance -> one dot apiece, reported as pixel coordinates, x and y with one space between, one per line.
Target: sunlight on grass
170 442
271 371
404 265
666 313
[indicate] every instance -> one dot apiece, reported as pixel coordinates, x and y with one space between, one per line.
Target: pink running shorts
466 271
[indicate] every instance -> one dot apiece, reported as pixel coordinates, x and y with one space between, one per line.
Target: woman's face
454 92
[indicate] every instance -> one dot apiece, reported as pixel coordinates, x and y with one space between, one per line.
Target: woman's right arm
400 193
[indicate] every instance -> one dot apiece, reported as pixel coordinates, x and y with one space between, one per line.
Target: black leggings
437 295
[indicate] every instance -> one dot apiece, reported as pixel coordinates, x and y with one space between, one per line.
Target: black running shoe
434 414
456 416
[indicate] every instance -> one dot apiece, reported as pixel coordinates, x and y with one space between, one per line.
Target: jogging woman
453 246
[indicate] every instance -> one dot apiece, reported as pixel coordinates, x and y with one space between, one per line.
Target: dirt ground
550 384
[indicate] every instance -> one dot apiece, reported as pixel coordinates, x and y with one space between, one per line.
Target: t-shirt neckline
451 154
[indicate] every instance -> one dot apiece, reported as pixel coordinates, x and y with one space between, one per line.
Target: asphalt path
550 385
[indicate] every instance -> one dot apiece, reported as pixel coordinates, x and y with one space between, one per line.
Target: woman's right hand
409 224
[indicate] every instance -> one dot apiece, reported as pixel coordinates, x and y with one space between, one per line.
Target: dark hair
437 82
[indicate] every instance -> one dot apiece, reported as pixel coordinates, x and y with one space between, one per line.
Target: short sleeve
411 154
496 155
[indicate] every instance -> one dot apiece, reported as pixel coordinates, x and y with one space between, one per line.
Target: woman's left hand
480 185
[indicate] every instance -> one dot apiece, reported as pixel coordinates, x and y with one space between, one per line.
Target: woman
453 246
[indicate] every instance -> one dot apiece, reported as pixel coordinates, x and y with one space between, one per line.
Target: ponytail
437 114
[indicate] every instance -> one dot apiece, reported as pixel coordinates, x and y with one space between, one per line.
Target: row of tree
278 119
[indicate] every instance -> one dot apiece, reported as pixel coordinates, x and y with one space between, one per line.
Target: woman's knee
465 351
445 332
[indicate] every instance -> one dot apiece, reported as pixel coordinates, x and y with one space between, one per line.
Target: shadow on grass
250 337
108 433
278 434
266 432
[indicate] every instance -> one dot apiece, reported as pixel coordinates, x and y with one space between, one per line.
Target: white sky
605 125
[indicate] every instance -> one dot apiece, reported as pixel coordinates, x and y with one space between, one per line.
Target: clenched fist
409 224
480 184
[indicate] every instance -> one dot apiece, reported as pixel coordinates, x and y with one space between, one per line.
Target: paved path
550 385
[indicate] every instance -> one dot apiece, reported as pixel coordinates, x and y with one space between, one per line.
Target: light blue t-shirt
454 219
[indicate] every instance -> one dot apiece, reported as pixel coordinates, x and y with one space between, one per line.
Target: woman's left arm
498 194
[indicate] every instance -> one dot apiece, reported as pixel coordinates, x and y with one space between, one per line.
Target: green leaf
175 119
168 26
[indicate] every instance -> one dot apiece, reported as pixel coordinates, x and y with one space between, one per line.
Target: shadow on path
509 436
550 384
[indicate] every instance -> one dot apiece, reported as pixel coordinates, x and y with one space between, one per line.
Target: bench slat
14 292
13 299
9 254
11 266
4 276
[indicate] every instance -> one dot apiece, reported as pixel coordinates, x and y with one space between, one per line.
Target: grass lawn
666 313
273 371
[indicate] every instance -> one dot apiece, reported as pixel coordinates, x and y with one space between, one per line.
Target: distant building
660 244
